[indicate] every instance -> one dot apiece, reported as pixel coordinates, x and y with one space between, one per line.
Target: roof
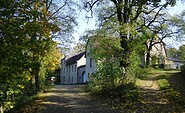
174 60
74 58
82 66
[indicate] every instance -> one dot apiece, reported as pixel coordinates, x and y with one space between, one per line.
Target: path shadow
177 82
71 99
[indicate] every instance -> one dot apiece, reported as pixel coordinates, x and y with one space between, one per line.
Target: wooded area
29 56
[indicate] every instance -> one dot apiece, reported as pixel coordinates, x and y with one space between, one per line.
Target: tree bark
147 58
123 20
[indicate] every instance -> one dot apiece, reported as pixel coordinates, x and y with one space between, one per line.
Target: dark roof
175 60
82 66
73 59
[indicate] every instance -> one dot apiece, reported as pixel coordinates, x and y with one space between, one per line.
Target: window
75 67
69 68
69 80
72 68
79 79
72 80
90 62
63 78
64 69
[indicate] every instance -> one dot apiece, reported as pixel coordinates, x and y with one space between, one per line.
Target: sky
84 24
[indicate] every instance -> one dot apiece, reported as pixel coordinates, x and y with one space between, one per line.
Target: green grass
173 85
163 84
169 81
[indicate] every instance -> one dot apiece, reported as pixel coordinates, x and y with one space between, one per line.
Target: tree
127 15
177 22
80 47
26 32
171 52
181 52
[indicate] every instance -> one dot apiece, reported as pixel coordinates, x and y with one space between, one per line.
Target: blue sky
84 24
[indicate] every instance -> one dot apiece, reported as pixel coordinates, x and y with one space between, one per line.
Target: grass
163 84
173 85
171 82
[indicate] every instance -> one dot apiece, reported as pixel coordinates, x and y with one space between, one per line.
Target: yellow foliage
20 86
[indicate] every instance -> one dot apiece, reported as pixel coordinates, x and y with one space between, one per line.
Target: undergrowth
123 95
172 95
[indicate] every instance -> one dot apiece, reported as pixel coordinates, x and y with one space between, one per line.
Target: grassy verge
169 83
29 104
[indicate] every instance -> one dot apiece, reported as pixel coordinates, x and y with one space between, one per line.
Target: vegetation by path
154 91
158 92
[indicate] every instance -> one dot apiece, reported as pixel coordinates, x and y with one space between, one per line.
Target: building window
75 67
72 68
64 69
88 75
72 80
67 69
63 78
79 79
90 62
69 80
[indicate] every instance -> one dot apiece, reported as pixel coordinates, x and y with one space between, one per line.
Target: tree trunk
123 20
125 62
147 58
37 82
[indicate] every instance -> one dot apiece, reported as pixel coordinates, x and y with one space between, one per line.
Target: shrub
163 84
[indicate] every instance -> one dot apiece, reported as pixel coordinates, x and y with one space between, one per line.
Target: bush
163 84
142 73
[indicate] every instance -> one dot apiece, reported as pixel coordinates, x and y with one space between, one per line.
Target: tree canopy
28 53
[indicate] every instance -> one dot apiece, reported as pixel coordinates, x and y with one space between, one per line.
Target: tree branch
58 10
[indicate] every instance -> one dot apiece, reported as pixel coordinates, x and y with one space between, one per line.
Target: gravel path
71 99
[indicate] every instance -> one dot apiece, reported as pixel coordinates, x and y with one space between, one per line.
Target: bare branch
57 10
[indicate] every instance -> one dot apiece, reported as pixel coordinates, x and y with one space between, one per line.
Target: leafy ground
70 99
160 91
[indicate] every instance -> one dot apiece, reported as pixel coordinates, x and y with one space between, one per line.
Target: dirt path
71 99
153 99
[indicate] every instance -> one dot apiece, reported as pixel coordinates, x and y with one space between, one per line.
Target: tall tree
126 14
26 32
177 22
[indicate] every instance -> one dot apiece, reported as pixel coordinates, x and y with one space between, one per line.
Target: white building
73 69
90 66
174 63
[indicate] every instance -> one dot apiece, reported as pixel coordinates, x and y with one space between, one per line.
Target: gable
74 59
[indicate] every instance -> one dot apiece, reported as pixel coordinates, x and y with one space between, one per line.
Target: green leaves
25 40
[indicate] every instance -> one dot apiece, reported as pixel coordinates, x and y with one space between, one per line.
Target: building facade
73 69
174 63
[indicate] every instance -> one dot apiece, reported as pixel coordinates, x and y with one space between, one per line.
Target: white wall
82 78
90 69
70 73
